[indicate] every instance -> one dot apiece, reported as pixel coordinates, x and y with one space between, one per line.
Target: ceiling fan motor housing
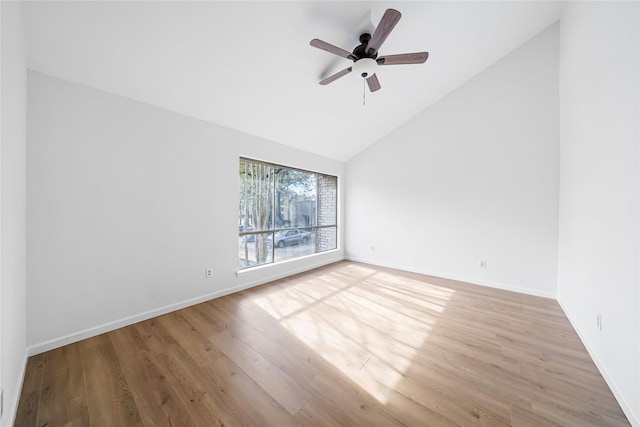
361 50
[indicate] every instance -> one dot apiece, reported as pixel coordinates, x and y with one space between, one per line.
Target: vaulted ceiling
249 65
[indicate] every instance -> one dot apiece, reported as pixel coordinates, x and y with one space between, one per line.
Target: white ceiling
249 65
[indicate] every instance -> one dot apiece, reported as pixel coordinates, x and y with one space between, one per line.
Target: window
284 213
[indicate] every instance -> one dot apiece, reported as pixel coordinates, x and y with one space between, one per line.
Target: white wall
474 177
127 205
12 212
599 188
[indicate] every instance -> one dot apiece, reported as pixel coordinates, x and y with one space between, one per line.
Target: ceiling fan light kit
365 55
365 67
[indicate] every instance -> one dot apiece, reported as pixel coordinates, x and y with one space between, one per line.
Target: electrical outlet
599 321
209 273
483 264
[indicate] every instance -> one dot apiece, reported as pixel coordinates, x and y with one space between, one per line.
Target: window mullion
273 218
317 244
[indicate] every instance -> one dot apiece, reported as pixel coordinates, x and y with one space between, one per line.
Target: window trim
305 228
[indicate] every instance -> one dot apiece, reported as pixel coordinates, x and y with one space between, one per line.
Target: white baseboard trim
471 280
633 418
130 320
15 400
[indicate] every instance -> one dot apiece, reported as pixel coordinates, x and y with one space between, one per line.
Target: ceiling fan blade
332 49
388 21
336 76
373 83
403 58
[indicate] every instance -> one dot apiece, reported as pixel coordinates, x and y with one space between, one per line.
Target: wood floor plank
204 402
155 336
380 386
283 303
235 305
249 402
354 405
346 344
558 383
522 417
315 330
109 398
63 394
27 414
284 390
459 410
209 318
297 362
156 399
308 417
189 338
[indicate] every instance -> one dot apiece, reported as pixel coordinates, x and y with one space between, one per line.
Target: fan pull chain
364 91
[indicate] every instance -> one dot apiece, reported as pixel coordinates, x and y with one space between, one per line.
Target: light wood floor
348 345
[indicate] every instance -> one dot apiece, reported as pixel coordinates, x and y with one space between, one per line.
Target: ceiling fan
365 55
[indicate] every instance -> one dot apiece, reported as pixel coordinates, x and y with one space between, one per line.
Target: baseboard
110 326
130 320
471 280
633 418
13 409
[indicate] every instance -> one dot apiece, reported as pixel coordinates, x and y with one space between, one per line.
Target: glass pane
255 249
295 198
256 196
294 243
327 238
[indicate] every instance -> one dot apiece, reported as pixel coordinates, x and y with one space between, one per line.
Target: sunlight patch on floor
284 302
347 317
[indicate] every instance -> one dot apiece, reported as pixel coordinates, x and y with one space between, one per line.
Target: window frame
274 231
